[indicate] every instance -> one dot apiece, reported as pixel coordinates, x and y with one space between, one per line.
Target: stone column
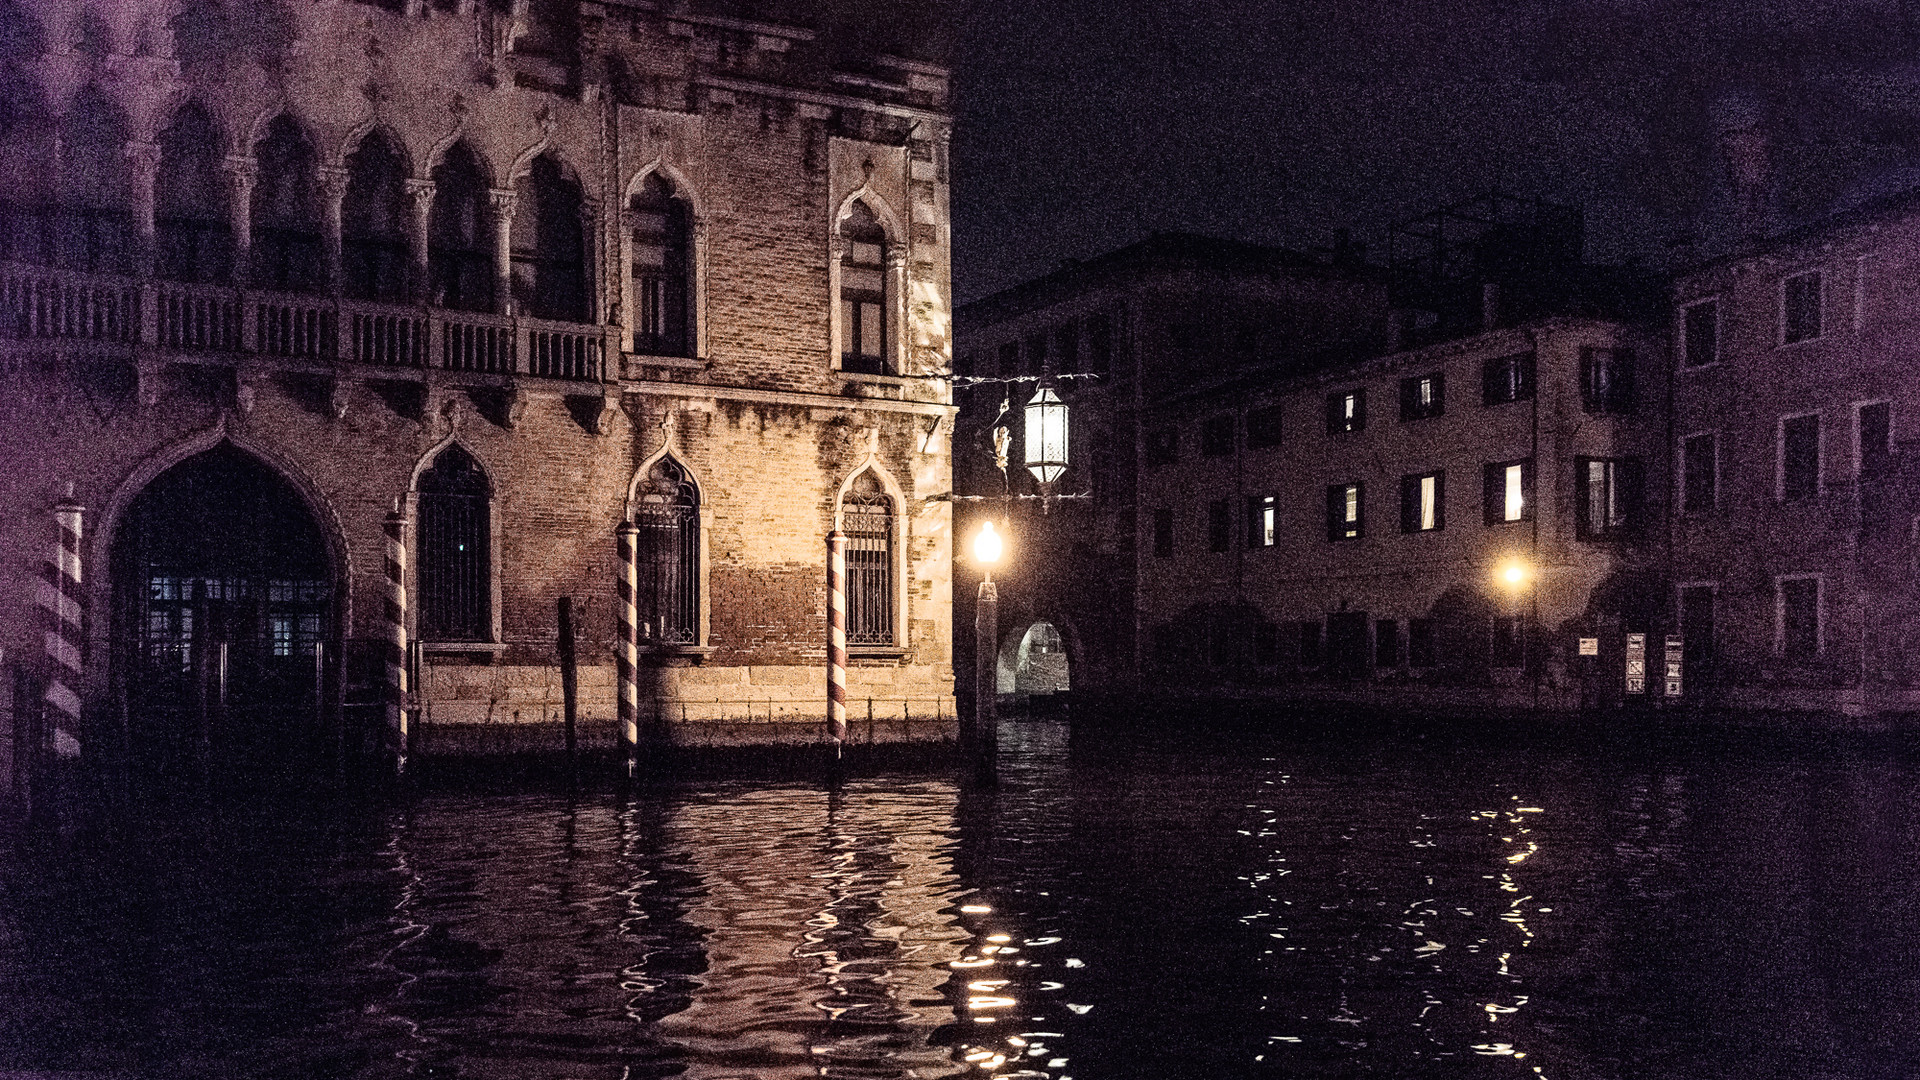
331 183
896 339
420 280
503 203
143 165
241 173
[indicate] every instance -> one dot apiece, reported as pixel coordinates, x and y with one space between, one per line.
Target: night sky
1082 125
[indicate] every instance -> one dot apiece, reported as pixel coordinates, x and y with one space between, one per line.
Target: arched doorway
1033 662
223 615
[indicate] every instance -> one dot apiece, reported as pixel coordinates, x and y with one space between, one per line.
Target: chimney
1489 305
1743 144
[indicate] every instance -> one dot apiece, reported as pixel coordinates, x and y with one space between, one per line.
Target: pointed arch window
373 224
667 513
455 549
863 294
549 244
662 261
287 250
866 517
26 173
459 252
192 239
95 226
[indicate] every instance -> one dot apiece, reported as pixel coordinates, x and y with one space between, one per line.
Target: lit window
1422 498
1607 502
1346 511
1347 411
1423 396
1507 491
1263 517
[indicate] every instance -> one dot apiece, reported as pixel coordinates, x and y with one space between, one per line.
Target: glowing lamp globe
1046 436
986 545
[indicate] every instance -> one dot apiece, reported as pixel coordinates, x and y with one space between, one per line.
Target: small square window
1423 397
1606 381
1507 378
1347 411
1263 427
1263 519
1163 533
1219 525
1163 446
1800 308
1346 511
1701 330
1216 436
1423 502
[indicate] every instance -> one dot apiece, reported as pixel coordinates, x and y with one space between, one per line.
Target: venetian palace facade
348 343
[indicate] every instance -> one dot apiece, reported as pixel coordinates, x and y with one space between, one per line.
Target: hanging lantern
1046 436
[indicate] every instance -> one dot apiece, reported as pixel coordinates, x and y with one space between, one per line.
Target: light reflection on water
1217 906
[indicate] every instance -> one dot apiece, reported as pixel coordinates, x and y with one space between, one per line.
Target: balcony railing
44 304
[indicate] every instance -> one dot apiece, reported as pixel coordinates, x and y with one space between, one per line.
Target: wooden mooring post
569 674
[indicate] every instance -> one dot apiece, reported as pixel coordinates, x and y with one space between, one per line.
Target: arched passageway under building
224 612
1033 661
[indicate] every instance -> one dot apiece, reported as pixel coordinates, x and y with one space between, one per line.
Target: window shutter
1360 408
1582 496
1439 499
1493 492
1632 480
1491 390
1409 504
1336 511
1623 393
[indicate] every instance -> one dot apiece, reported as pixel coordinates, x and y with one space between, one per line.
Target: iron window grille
668 554
866 515
455 550
660 262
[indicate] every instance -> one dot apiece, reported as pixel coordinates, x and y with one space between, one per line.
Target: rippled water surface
1218 905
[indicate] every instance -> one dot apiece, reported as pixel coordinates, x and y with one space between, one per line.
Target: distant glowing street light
1515 572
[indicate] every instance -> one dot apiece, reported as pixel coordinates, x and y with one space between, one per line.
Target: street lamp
1517 573
978 738
1046 440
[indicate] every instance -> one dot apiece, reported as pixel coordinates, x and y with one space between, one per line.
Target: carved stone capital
503 203
143 161
516 407
420 191
339 396
331 180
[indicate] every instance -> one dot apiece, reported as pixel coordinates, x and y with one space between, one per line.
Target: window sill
877 652
676 650
689 363
463 646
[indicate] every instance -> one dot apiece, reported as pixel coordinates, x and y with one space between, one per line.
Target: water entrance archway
1033 661
224 615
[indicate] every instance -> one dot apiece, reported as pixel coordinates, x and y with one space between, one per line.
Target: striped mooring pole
62 602
627 658
837 639
396 619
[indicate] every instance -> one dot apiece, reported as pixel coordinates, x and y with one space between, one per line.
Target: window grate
455 550
669 556
867 521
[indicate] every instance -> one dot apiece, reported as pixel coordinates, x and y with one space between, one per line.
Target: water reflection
1197 906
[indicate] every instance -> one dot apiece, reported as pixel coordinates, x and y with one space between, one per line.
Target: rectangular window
1509 641
1263 427
1010 358
1696 629
1163 446
1800 307
1606 381
1219 525
1422 652
1875 432
1423 502
1507 491
1800 457
1423 397
1163 532
1699 470
1799 617
1100 344
1216 436
1700 329
1507 378
1310 643
1607 497
1347 411
1263 518
1346 511
1386 643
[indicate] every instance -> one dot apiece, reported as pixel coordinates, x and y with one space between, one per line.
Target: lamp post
980 738
1517 573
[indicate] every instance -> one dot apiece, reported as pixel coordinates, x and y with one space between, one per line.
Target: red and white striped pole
62 602
396 619
837 638
627 658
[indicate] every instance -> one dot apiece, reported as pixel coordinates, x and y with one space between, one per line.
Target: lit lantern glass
1046 436
986 545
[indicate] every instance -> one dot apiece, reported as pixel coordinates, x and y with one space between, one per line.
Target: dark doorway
1347 644
223 616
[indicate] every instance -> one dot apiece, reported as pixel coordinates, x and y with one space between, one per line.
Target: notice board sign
1589 646
1675 650
1636 663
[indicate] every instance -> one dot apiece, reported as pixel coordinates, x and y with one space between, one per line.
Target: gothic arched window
287 251
866 517
459 245
549 244
667 513
863 294
192 239
662 265
26 174
373 222
455 549
95 229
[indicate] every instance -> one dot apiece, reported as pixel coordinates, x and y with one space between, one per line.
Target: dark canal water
1226 905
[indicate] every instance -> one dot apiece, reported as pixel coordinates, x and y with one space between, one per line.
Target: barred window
866 514
667 514
455 550
660 264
